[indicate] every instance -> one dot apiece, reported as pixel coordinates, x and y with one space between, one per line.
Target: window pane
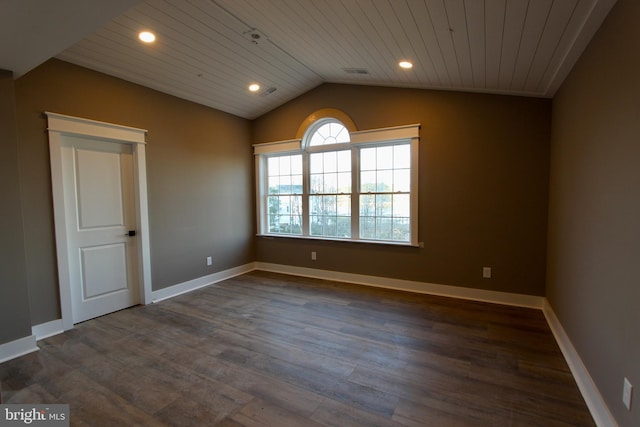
296 164
384 157
316 225
285 184
315 228
383 205
329 205
402 180
343 206
367 205
344 182
296 205
296 184
315 205
272 214
402 156
316 183
330 160
296 225
343 135
330 227
274 185
323 205
316 139
368 159
368 182
330 183
315 161
401 229
384 228
344 227
323 226
285 165
285 205
344 161
368 228
325 130
401 205
273 165
385 181
335 129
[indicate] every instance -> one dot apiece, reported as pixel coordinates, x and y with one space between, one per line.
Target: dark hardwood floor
265 349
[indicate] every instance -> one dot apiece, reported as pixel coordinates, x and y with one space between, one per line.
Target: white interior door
98 182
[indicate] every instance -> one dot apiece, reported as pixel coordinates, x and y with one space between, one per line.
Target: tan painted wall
594 209
483 186
14 299
199 176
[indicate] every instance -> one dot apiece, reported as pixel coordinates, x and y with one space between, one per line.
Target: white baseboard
48 329
200 282
18 348
592 397
529 301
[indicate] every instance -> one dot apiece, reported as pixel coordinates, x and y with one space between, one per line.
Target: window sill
329 239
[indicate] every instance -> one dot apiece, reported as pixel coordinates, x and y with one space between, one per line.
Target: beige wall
14 302
483 186
199 172
593 280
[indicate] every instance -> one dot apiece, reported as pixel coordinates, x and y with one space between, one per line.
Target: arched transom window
327 132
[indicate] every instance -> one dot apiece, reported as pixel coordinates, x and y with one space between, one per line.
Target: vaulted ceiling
209 51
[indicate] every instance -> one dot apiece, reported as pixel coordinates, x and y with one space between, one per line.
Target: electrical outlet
627 393
486 272
209 260
313 256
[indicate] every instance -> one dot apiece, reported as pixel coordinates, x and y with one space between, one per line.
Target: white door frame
60 125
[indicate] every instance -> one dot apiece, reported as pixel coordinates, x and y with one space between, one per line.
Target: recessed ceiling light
405 64
254 87
147 36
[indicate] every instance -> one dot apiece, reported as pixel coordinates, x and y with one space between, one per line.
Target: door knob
131 233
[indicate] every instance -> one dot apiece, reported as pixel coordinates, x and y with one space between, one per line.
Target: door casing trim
59 125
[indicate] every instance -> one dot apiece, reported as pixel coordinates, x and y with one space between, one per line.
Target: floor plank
268 349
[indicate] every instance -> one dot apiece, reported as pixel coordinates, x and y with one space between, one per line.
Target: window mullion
355 193
306 188
261 196
413 191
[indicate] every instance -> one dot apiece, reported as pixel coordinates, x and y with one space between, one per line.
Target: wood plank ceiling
209 51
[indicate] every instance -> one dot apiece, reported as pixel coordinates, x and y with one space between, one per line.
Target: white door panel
103 270
99 189
99 211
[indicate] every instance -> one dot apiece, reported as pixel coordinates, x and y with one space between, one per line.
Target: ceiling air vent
268 91
355 70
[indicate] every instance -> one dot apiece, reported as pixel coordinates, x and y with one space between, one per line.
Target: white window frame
376 137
